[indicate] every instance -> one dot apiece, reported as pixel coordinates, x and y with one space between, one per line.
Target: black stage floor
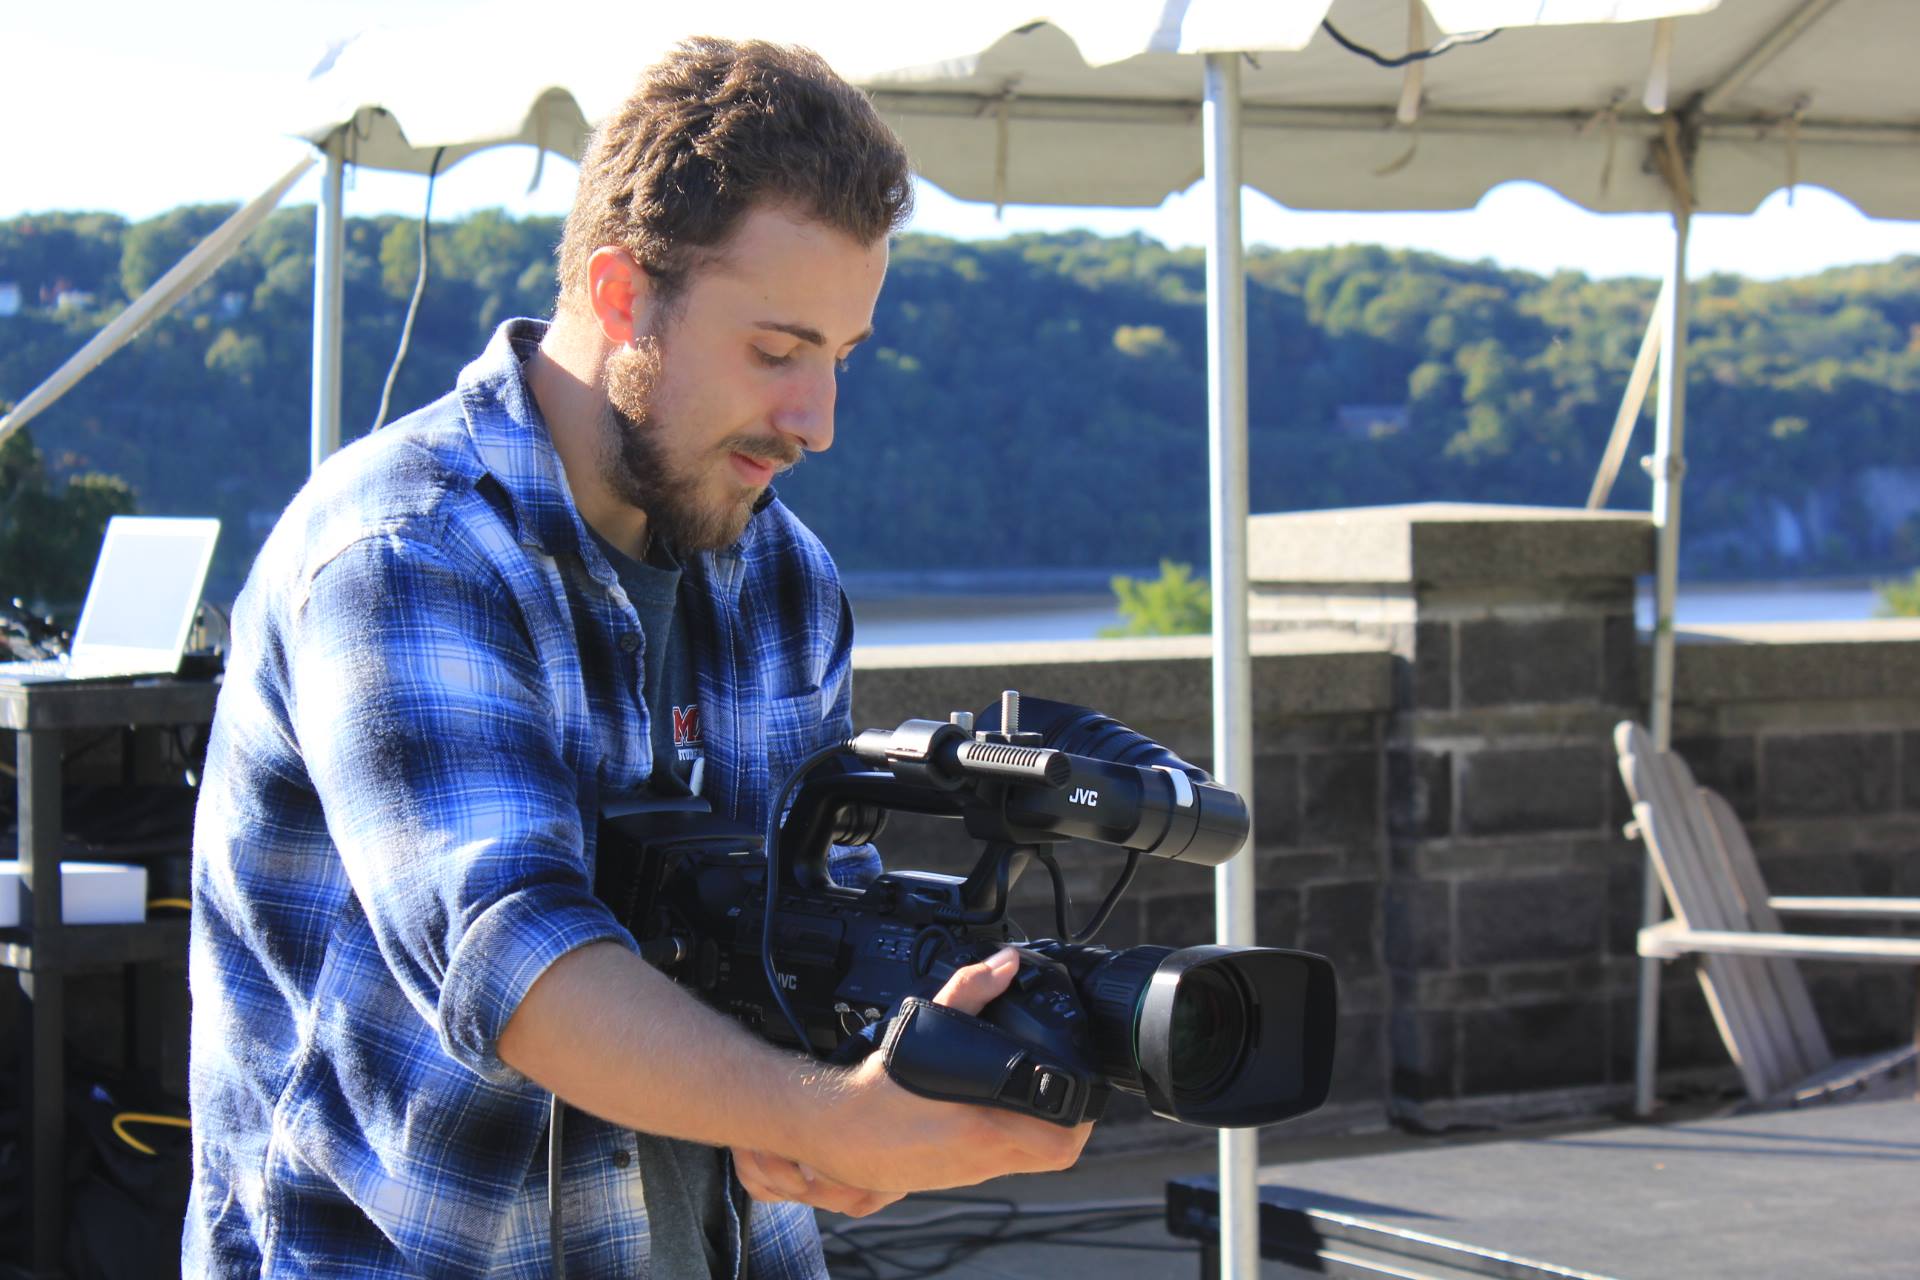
1827 1191
1822 1193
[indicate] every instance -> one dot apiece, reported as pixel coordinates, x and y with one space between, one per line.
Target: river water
895 617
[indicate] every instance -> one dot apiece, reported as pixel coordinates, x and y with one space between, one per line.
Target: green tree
1899 598
152 248
49 540
1174 604
1021 392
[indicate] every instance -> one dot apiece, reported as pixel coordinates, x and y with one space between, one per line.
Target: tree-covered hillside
1039 401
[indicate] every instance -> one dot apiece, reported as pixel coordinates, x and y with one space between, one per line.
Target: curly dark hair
715 128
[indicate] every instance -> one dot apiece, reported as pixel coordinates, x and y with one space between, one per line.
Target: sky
99 96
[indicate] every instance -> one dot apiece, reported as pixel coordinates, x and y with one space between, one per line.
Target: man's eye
773 361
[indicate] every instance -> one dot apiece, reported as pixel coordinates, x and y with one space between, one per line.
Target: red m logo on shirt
686 725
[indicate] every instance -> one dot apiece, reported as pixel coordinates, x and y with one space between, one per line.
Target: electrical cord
896 1249
124 1118
1108 903
413 304
1061 902
1062 905
91 744
900 1260
1418 55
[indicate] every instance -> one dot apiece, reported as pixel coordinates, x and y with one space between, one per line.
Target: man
565 581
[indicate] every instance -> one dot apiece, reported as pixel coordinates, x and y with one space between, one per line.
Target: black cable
1062 906
1108 903
921 957
1061 903
1418 55
413 305
774 813
847 1248
91 744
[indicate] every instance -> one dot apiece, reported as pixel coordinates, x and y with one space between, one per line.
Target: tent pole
1233 882
329 298
1669 468
1631 403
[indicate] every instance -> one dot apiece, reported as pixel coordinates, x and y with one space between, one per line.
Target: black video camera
1210 1035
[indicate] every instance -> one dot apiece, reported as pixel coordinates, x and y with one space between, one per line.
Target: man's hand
770 1177
885 1141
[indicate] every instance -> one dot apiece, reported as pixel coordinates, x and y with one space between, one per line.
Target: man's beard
634 464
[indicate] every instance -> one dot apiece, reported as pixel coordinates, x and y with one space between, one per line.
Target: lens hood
1236 1036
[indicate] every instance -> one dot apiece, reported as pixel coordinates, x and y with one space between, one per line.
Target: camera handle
983 894
828 805
951 1056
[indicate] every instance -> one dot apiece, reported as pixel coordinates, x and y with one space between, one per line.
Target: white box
90 893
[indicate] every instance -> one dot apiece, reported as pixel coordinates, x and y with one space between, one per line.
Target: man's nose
807 413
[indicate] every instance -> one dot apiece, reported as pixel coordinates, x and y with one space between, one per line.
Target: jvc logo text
1084 795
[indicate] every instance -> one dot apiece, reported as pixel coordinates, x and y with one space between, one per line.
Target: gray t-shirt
667 681
686 1185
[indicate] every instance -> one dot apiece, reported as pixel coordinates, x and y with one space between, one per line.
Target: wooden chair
1722 911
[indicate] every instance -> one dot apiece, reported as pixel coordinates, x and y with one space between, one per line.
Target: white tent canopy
1021 102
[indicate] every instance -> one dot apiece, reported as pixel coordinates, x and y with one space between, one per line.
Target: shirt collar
511 438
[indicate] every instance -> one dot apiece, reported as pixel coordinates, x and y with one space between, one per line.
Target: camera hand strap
942 1053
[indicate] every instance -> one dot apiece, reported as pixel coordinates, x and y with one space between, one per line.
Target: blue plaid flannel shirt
434 678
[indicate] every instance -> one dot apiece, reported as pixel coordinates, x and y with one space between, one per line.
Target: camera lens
1208 1036
1213 1035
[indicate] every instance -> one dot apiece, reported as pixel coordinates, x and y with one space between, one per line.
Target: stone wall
1812 732
1437 805
1509 895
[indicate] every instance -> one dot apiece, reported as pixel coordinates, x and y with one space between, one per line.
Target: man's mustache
784 457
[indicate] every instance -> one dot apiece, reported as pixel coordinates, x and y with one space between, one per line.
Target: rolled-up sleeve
422 715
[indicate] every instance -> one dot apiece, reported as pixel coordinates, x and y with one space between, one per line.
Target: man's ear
619 292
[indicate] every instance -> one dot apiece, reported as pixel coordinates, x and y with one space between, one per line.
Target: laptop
140 605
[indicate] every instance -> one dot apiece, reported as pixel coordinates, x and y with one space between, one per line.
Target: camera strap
951 1056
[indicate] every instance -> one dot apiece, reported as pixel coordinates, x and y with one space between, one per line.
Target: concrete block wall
1509 894
1810 731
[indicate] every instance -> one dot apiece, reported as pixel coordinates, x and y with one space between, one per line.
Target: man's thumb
976 986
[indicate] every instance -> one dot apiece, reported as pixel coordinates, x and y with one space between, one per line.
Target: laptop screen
146 585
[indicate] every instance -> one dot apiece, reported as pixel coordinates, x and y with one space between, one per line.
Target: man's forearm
612 1035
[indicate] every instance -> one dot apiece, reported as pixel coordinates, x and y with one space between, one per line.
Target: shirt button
622 1158
629 641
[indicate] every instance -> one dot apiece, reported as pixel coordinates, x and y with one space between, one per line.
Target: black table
43 949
